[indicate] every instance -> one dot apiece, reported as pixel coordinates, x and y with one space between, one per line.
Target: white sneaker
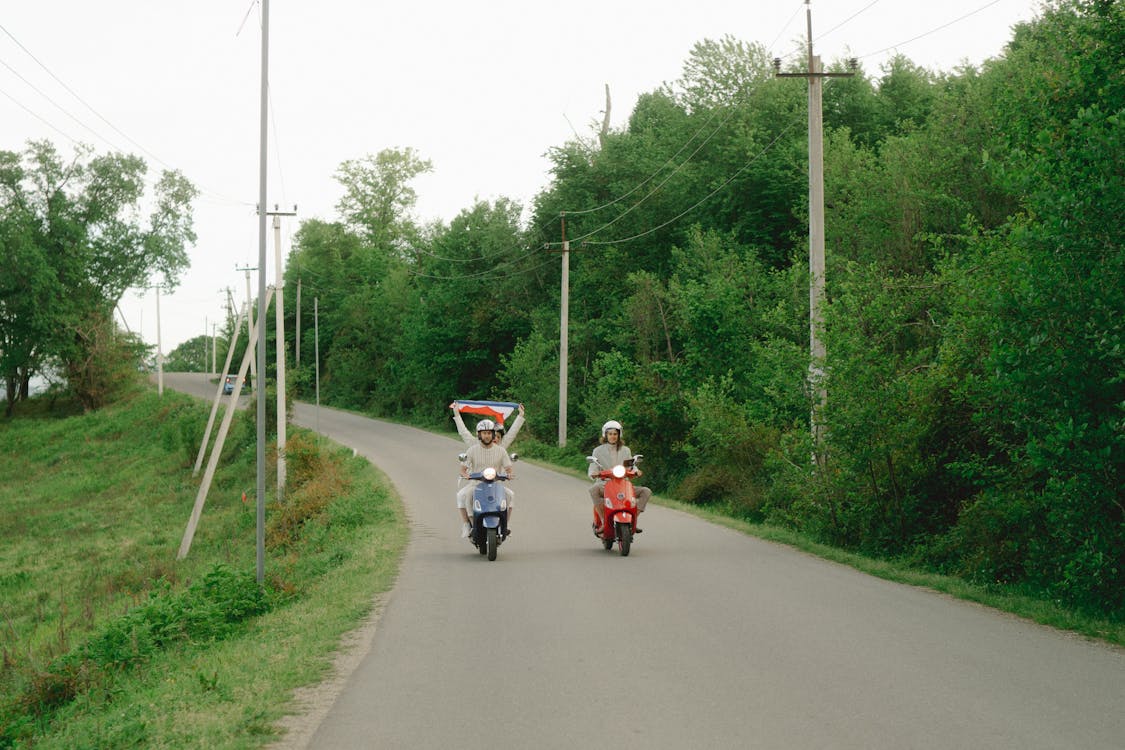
466 530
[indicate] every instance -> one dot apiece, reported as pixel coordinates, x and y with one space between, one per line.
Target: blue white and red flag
498 411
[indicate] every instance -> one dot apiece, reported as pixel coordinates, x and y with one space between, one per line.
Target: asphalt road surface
701 638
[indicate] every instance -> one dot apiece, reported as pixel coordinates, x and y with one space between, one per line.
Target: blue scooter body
490 512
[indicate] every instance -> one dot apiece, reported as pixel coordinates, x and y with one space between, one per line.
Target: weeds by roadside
108 641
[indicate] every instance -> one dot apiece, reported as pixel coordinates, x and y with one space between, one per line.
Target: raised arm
462 430
510 435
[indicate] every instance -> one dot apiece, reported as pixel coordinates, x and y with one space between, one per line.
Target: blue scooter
490 511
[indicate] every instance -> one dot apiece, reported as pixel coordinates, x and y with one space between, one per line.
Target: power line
738 98
864 9
932 31
491 273
684 213
96 113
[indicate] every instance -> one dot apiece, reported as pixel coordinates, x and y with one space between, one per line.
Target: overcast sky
483 90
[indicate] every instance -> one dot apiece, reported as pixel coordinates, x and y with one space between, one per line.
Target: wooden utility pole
219 396
213 462
564 321
815 75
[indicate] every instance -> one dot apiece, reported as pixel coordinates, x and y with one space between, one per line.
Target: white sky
483 90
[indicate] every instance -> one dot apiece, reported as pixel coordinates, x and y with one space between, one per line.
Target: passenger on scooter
609 453
506 438
484 452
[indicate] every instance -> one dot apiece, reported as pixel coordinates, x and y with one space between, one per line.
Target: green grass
106 641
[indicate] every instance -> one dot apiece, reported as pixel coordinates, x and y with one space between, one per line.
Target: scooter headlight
489 473
619 471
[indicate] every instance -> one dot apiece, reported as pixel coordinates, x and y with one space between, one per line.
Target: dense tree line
975 280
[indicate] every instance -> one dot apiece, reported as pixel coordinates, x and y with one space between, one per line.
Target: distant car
228 384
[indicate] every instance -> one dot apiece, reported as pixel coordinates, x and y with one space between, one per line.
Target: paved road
701 638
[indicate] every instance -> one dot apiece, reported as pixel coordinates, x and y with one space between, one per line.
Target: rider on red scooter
611 452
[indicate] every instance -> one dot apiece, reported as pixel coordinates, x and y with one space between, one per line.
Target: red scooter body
619 508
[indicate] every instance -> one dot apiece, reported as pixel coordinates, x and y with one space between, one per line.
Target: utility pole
815 75
297 342
159 348
316 354
250 324
279 347
564 322
263 125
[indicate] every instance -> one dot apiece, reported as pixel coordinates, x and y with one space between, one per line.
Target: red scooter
619 514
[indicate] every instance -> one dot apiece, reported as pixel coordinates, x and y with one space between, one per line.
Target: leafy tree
27 292
80 242
378 197
719 72
194 355
906 95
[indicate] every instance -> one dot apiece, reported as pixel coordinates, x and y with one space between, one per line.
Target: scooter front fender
623 517
491 522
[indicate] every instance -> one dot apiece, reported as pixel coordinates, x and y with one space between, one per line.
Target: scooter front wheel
624 538
492 543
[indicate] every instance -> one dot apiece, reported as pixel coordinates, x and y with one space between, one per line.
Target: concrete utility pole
297 333
564 322
815 75
159 347
279 347
250 324
316 354
263 125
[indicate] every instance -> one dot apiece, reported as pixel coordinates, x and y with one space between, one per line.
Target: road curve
701 638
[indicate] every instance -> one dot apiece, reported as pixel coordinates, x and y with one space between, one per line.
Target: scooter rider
609 453
480 455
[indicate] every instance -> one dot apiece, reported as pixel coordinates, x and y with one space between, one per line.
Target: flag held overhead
497 411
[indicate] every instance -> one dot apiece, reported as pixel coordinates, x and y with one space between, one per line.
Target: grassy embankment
108 641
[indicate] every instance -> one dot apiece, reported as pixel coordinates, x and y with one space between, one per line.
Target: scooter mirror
515 457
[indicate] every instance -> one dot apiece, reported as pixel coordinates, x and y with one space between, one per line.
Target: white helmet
486 425
612 424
